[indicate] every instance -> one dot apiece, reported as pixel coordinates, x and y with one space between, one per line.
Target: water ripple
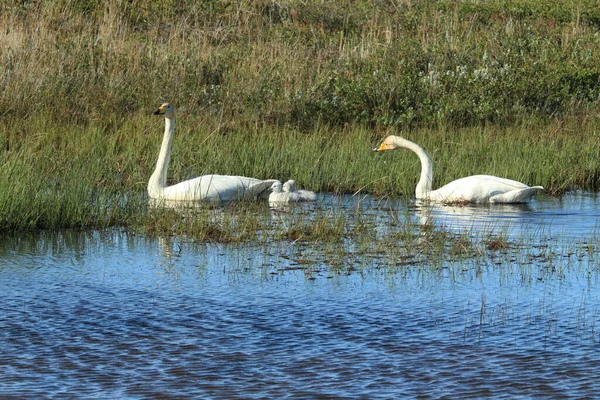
108 315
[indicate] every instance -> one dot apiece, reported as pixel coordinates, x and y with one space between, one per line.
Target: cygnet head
166 110
289 186
276 187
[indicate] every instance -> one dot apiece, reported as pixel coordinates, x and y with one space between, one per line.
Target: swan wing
220 188
478 189
516 196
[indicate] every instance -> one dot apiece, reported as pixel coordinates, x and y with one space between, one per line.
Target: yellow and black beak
159 111
383 146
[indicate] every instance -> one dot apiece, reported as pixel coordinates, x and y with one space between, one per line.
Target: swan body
279 196
472 189
219 188
304 195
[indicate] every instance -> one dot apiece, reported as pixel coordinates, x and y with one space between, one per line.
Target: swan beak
159 111
383 147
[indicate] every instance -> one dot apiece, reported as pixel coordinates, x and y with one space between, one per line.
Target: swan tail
516 196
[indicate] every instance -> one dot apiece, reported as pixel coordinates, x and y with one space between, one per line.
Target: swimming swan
206 187
304 195
279 196
472 189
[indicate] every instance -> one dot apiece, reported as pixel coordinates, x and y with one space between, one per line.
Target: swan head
390 143
166 110
289 186
276 187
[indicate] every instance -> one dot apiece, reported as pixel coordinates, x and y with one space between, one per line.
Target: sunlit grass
63 175
302 63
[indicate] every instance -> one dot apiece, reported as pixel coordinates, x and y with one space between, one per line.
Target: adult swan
472 189
218 188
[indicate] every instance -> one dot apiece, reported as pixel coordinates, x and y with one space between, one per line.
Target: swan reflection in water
225 213
485 218
184 205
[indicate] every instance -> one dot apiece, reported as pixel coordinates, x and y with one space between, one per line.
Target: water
116 315
570 216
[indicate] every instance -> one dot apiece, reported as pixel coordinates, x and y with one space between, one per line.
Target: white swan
279 196
472 189
304 195
206 187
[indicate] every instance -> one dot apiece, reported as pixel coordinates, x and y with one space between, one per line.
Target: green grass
302 62
58 175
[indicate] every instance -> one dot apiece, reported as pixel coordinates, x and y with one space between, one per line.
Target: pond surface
117 315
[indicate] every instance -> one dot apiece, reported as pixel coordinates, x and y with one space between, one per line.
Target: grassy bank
85 176
302 62
285 90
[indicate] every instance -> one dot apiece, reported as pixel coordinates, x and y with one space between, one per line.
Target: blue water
117 315
570 216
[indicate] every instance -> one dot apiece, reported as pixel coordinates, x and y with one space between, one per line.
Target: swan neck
425 182
158 180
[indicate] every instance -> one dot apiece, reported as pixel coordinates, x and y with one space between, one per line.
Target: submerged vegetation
287 89
348 236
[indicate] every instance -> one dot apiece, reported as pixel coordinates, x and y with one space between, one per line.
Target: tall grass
288 89
301 62
72 175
